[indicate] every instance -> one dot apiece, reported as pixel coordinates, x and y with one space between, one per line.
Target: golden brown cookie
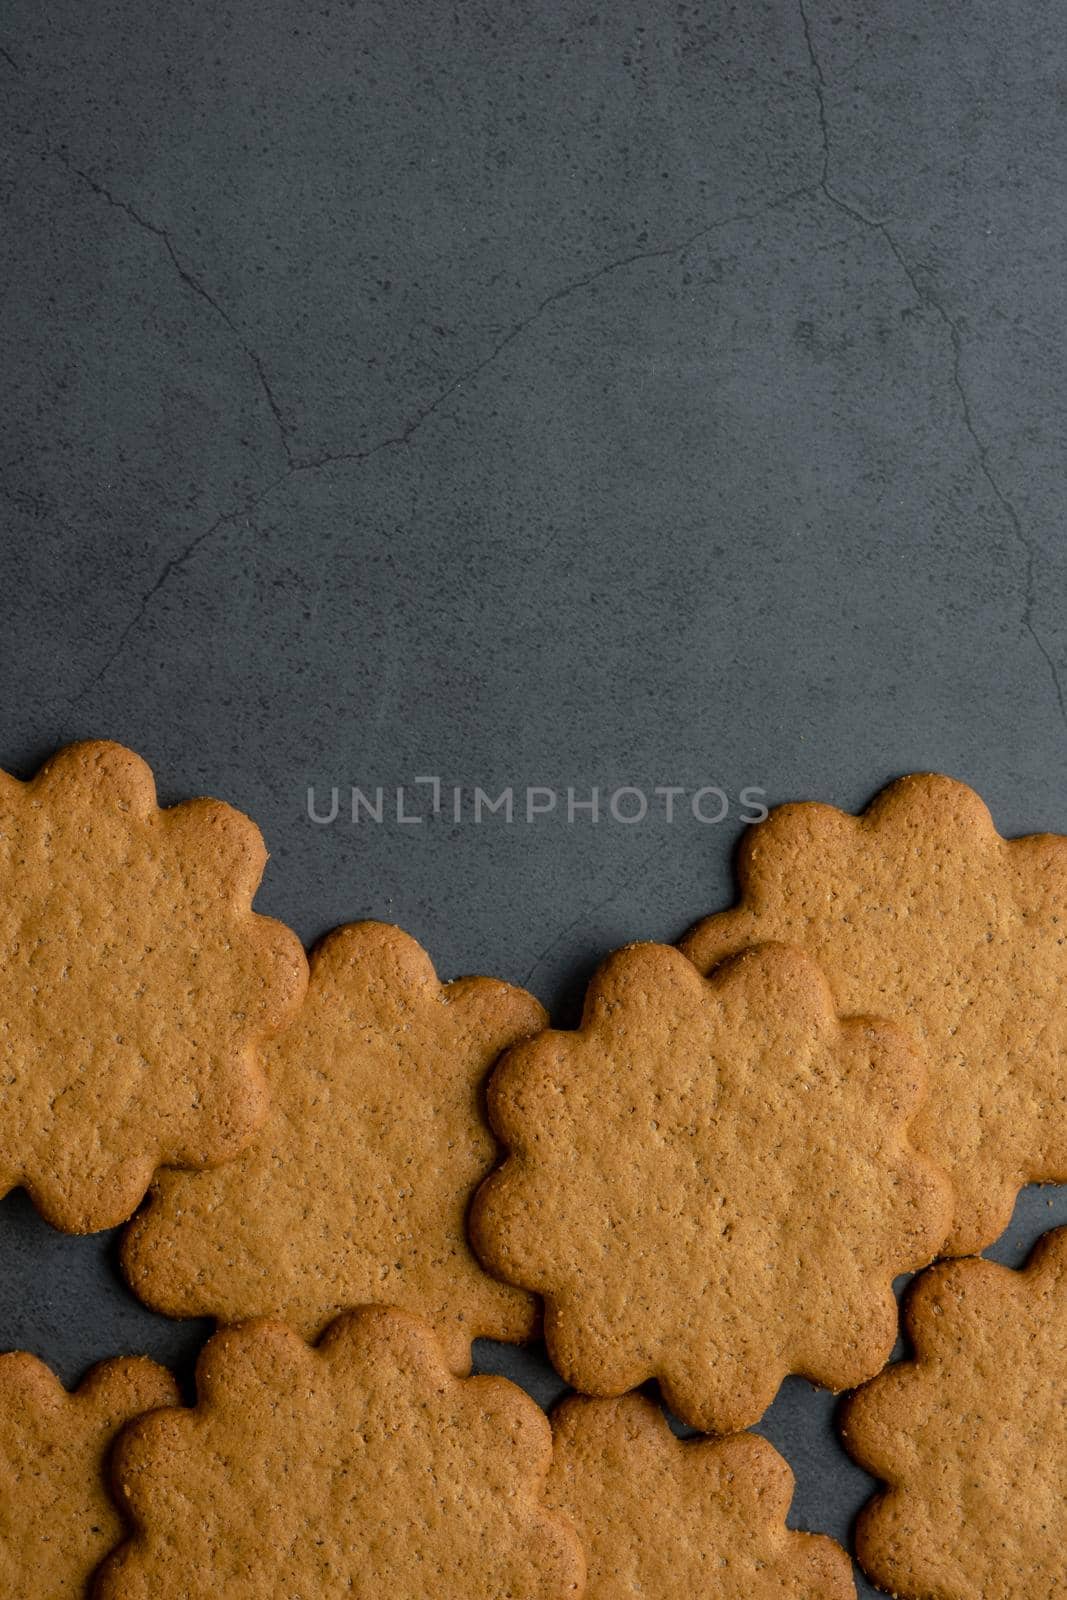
57 1519
710 1183
135 984
356 1191
362 1468
663 1518
919 911
971 1437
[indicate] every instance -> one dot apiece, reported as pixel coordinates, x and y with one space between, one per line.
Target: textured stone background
525 393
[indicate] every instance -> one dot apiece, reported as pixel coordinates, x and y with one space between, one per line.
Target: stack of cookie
711 1183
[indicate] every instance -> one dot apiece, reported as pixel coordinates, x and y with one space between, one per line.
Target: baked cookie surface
135 985
358 1469
661 1517
356 1190
971 1437
710 1183
57 1518
920 912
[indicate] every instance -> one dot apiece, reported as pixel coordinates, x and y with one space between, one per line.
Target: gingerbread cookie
661 1517
971 1437
357 1189
135 985
361 1468
710 1182
57 1519
919 911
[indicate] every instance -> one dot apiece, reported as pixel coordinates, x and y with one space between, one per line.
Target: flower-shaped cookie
971 1437
357 1189
919 911
135 984
710 1183
57 1520
362 1468
660 1517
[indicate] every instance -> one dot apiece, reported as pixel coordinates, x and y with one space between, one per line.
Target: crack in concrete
166 572
297 466
194 285
1026 545
733 74
557 296
628 880
926 298
5 55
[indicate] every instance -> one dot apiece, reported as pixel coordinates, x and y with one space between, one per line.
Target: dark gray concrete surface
529 394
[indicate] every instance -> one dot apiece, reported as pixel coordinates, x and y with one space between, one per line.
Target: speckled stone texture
577 395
